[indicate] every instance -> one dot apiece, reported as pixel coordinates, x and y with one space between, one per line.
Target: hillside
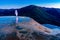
7 12
40 14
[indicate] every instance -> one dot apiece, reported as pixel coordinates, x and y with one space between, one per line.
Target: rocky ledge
27 29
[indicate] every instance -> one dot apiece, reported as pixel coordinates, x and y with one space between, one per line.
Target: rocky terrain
27 29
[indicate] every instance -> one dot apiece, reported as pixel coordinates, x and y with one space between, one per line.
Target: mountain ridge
40 14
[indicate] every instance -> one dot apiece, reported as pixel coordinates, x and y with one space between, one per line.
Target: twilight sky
21 3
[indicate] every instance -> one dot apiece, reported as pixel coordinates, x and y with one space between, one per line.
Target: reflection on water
51 26
16 13
11 19
56 29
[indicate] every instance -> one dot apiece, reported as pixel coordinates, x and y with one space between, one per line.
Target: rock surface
27 29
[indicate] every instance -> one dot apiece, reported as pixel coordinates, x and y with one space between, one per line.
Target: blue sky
22 3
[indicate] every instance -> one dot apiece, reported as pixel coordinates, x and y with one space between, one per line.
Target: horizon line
17 7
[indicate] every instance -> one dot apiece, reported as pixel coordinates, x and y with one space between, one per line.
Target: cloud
50 5
10 6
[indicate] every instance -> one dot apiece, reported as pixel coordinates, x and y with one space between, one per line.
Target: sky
6 4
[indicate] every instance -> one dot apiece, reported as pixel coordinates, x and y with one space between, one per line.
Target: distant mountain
7 12
41 14
54 12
